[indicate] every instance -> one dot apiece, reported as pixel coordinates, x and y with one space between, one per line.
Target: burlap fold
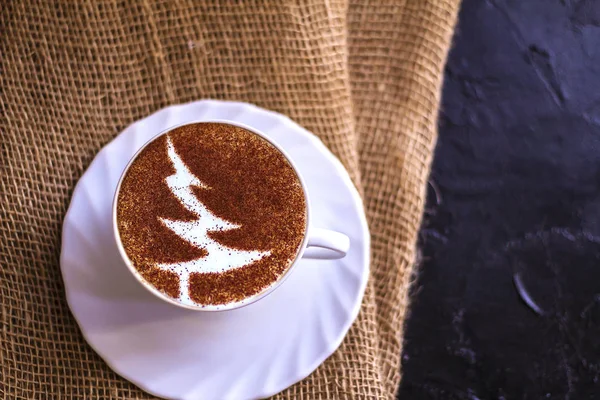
363 76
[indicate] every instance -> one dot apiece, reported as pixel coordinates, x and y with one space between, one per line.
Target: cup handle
324 244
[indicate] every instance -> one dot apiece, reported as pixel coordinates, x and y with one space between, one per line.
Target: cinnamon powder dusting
249 183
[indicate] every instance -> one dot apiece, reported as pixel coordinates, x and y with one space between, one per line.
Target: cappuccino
211 214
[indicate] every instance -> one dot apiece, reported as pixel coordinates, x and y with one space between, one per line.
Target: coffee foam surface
211 214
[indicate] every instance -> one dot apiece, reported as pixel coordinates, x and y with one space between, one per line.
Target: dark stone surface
506 303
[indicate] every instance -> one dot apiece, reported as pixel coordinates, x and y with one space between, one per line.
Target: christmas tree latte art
196 232
211 214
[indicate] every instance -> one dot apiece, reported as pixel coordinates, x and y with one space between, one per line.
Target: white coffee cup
318 243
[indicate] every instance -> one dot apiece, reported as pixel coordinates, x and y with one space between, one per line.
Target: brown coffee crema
245 180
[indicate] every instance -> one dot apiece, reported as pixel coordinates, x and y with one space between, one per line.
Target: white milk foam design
219 258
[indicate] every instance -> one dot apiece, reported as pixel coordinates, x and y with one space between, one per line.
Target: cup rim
209 307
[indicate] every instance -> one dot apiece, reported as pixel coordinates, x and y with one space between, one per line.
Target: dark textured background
506 303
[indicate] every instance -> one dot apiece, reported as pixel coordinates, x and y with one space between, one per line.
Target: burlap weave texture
365 77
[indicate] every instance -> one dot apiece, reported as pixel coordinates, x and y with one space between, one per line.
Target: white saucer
247 353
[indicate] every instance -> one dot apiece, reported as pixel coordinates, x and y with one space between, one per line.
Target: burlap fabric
363 76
